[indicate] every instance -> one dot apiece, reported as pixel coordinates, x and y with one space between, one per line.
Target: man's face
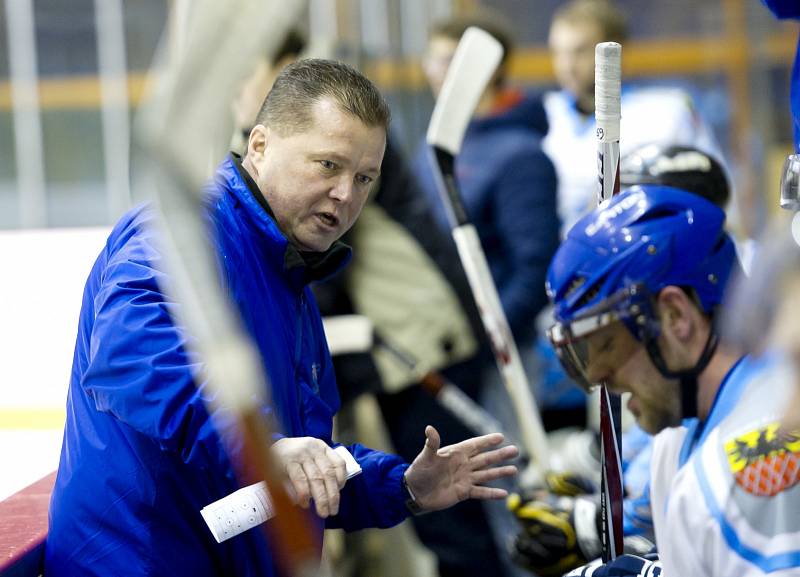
436 61
622 363
316 182
572 50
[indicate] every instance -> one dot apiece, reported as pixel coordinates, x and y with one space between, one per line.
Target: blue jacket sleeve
783 8
791 9
141 371
528 222
374 498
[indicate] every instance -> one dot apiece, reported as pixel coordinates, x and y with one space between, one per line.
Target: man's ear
677 312
253 161
257 143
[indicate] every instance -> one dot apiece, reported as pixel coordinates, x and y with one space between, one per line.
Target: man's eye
363 179
328 164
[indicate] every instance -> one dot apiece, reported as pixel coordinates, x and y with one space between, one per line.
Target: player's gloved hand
560 533
623 566
549 544
567 484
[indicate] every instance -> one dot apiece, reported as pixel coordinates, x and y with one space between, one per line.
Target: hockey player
636 285
667 113
545 545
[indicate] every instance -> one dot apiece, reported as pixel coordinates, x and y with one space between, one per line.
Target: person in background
507 182
664 116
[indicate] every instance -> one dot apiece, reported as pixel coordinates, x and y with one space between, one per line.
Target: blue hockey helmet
617 258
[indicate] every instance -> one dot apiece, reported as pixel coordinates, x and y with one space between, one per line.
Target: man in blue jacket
507 182
142 453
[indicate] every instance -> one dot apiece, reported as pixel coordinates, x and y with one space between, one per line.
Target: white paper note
250 506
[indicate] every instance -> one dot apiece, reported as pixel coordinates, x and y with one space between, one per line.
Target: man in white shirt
652 115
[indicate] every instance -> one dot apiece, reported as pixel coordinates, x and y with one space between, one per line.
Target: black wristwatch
411 500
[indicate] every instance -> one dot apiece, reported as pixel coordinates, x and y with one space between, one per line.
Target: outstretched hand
442 477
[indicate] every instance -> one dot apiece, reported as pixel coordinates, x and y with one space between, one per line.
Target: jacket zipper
297 356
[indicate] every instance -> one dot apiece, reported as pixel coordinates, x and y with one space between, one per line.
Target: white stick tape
607 87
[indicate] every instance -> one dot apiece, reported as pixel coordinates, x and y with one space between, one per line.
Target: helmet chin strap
687 377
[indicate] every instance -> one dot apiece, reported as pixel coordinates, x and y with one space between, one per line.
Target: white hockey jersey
725 497
664 116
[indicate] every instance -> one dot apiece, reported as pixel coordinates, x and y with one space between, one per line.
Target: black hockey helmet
683 167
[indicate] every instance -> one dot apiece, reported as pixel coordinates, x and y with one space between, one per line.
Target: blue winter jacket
508 185
141 454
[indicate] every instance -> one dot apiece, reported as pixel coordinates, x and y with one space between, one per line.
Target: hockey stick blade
474 62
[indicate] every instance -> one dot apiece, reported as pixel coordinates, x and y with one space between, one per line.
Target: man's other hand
315 472
441 477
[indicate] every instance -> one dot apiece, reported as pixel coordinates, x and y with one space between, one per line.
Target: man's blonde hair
288 106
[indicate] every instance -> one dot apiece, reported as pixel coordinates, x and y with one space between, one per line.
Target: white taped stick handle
607 89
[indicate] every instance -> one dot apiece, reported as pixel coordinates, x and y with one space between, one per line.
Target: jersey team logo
765 461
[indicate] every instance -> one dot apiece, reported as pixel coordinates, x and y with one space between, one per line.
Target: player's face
436 61
317 181
622 363
572 51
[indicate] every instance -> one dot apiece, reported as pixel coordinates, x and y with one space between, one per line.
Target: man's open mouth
328 219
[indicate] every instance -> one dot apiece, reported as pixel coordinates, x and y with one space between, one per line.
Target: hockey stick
198 85
347 334
450 396
607 75
474 62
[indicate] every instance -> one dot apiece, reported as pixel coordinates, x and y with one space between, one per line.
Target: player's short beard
668 414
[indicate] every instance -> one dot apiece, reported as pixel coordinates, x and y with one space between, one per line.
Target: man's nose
343 190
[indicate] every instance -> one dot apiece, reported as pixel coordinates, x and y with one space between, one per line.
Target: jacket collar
303 267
